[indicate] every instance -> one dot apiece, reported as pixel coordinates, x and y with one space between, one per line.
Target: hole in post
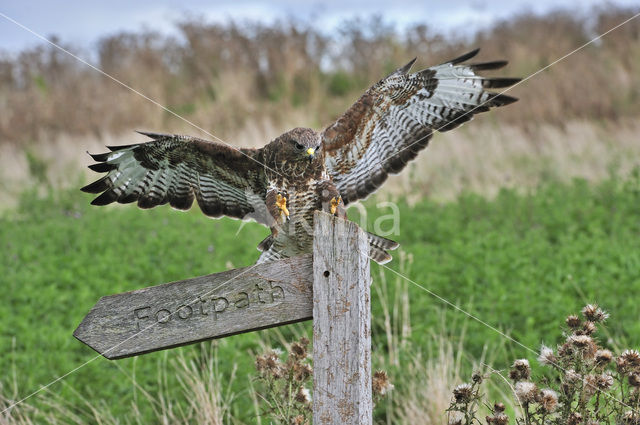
326 273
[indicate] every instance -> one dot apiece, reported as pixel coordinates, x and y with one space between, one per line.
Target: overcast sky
83 22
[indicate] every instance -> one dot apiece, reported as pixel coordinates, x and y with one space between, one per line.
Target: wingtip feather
99 157
97 186
105 199
464 57
151 135
502 100
498 83
102 167
485 66
406 68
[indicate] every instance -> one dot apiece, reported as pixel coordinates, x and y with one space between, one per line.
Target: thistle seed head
548 400
588 328
546 357
520 370
603 357
497 419
629 360
301 371
604 381
583 344
634 379
526 391
594 313
571 376
573 321
575 418
463 393
303 396
380 383
298 351
298 420
630 418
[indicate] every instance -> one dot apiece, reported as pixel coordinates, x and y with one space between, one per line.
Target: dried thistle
603 357
546 357
526 391
548 400
299 350
303 396
594 313
573 321
498 419
298 420
463 393
628 361
497 415
634 379
604 381
575 418
630 418
520 370
584 345
380 383
284 392
588 328
301 371
585 372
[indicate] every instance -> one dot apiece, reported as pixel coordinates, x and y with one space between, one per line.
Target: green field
520 262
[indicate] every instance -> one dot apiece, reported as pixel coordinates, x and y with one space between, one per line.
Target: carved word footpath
210 307
205 307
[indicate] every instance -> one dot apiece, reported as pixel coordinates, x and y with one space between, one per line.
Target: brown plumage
283 183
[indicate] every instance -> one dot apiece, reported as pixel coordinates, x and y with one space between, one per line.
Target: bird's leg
335 201
331 199
281 202
276 201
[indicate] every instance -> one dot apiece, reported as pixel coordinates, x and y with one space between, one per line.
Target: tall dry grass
206 398
223 76
423 376
248 83
481 157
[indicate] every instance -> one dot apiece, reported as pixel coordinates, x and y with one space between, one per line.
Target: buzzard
281 184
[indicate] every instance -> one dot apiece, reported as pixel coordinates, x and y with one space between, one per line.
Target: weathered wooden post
341 324
332 287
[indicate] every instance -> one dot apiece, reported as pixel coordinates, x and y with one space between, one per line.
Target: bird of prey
281 184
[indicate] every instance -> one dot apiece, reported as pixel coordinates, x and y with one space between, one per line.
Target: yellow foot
334 204
281 202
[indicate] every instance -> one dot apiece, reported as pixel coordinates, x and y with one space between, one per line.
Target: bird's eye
299 146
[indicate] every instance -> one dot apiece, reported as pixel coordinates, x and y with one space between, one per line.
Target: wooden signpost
332 287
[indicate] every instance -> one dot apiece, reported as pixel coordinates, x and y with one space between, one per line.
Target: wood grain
341 323
206 307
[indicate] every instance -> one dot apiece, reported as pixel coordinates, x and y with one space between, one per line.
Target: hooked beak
311 153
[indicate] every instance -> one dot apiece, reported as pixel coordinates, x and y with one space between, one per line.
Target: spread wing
395 118
178 169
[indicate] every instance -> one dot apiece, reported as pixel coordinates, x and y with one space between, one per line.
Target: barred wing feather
395 119
178 169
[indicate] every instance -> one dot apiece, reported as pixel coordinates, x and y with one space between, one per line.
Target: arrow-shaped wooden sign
206 307
259 297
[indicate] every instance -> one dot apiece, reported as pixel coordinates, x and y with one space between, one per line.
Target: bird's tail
378 247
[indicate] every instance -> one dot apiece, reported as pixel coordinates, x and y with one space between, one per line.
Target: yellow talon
281 202
334 204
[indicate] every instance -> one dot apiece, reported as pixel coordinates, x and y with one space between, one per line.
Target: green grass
518 262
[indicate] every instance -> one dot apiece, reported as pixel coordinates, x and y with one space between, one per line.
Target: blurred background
246 71
521 216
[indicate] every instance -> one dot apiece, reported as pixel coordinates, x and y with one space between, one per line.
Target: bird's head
301 144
